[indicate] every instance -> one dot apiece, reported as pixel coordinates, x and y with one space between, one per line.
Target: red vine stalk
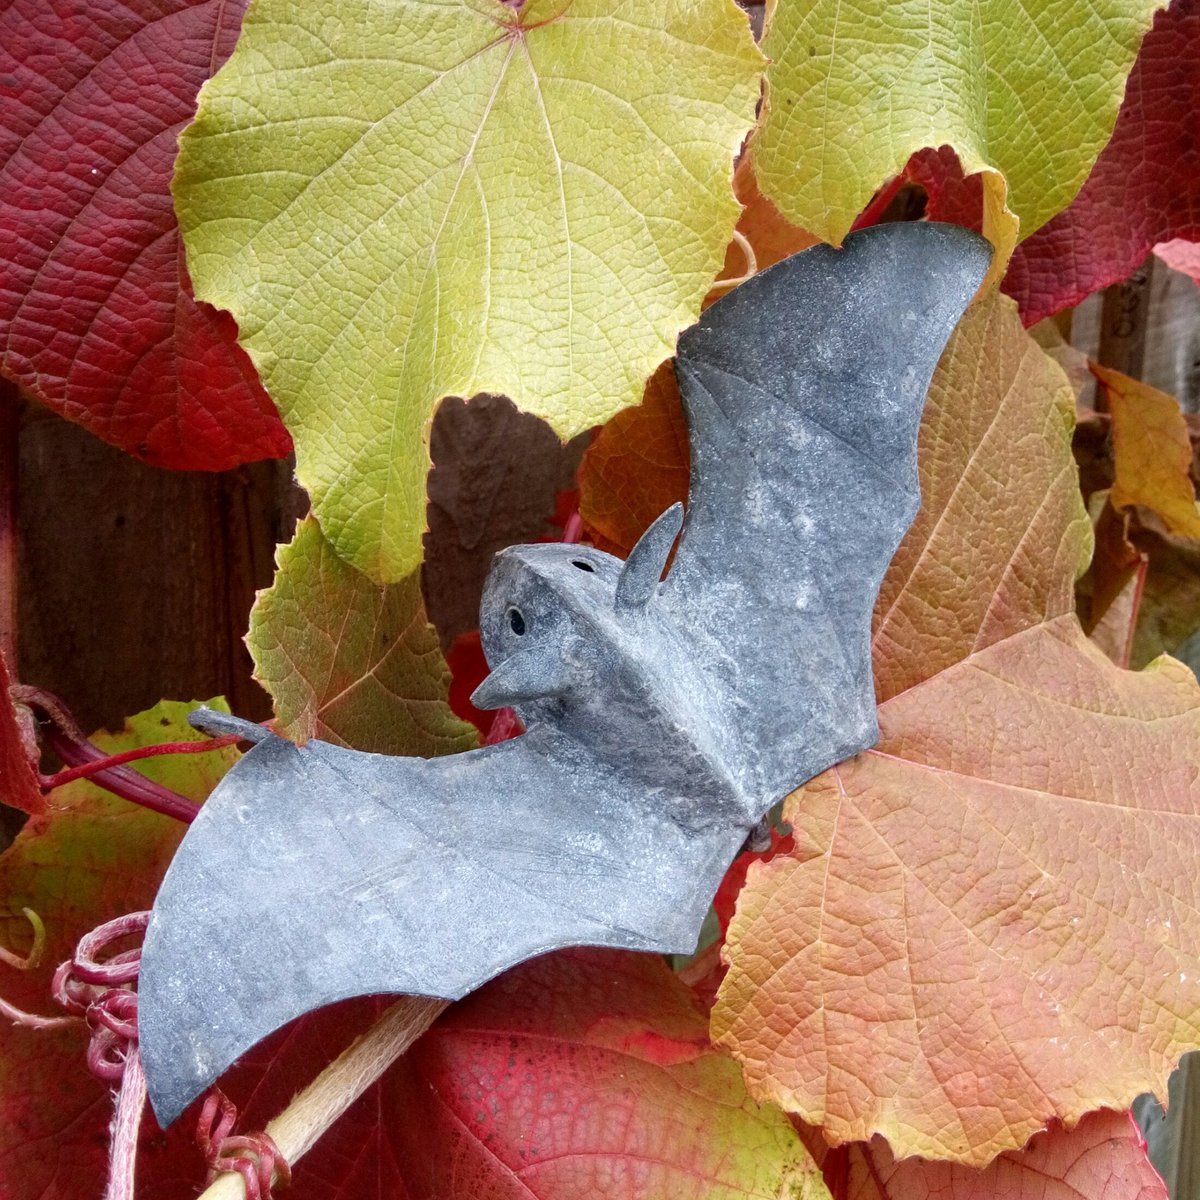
83 758
121 781
70 774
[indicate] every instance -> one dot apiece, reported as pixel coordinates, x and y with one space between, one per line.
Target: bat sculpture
664 717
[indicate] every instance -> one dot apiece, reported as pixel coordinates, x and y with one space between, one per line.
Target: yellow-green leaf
350 661
1152 452
405 200
1026 91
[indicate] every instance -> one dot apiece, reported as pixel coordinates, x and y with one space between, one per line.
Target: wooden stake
10 419
320 1104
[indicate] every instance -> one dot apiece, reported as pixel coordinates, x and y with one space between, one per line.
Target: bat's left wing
803 390
316 873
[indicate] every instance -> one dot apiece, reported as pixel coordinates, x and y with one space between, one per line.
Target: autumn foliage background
970 948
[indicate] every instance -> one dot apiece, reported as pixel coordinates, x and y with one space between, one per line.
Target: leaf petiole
83 759
94 766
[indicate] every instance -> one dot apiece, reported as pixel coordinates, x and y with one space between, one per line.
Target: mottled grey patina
664 717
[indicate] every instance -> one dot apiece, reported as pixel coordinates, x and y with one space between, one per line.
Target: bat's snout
529 674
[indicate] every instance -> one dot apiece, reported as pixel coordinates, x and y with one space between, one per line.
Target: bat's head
547 615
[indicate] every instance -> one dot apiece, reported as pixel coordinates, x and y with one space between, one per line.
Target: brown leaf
1109 596
496 476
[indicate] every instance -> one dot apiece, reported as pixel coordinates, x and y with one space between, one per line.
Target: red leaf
1102 1158
350 1160
950 196
87 859
468 669
1144 188
587 1073
580 1074
725 901
97 318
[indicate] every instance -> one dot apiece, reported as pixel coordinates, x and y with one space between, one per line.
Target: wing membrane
315 873
803 390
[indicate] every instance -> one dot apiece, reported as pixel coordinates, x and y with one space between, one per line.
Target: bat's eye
583 566
516 622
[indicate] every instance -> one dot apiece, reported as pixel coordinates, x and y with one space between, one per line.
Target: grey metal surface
1173 1134
664 718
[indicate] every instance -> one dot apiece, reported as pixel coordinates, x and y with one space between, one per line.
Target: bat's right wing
803 390
315 873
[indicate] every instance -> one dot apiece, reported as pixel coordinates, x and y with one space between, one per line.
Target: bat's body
602 660
664 716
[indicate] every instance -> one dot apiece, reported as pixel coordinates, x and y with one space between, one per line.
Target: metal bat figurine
664 717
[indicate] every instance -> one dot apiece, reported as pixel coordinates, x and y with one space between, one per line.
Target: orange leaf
768 231
988 921
637 467
1104 1158
1002 532
1152 452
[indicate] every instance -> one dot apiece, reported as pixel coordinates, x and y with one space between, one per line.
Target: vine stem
84 759
319 1105
121 781
70 774
743 243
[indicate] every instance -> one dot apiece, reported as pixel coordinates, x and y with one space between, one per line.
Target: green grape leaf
404 201
1025 91
348 661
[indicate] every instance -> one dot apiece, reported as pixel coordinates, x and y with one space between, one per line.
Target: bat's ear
644 567
528 674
